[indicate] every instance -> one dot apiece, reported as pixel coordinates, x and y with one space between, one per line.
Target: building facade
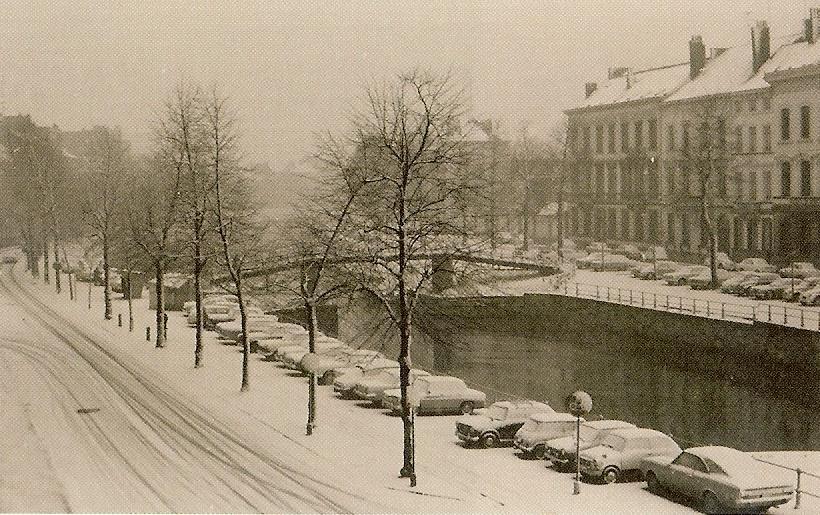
636 178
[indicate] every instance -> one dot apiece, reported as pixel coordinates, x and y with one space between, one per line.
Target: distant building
631 183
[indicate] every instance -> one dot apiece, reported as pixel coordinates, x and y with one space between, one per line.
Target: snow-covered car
799 269
810 297
775 289
652 271
746 286
732 285
498 424
597 246
809 283
723 261
345 379
653 253
540 428
373 386
437 395
719 479
704 281
754 264
630 251
291 356
232 329
277 329
213 313
681 275
612 263
561 451
623 450
321 364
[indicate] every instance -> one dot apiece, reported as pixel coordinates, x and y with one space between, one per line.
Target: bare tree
153 215
707 154
411 216
108 160
235 219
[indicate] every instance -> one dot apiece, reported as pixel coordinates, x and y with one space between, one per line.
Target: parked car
346 378
290 357
373 386
720 479
439 395
275 330
630 251
775 289
597 246
612 262
745 287
799 269
723 261
732 285
561 451
653 253
498 423
623 450
539 429
809 283
212 314
232 329
322 364
681 275
810 297
652 271
756 265
704 281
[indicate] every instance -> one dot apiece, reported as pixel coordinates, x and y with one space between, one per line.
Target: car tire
327 378
466 407
488 441
653 484
610 475
709 503
540 452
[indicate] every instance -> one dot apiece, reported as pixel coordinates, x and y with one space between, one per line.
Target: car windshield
588 433
497 412
615 442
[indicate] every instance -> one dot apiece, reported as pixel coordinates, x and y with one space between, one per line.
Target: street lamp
578 403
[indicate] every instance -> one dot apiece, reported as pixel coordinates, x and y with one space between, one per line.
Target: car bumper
755 503
467 438
524 446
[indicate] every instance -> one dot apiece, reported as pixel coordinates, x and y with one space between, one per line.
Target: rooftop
643 85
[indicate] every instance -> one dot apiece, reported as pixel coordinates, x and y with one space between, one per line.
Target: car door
685 474
436 398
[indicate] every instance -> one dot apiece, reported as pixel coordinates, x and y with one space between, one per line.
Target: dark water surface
715 401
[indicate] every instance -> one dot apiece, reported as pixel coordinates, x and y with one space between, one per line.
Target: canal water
720 401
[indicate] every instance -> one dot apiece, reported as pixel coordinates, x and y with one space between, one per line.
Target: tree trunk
89 294
58 282
106 279
712 240
130 303
310 308
198 346
71 295
246 348
45 262
160 342
409 464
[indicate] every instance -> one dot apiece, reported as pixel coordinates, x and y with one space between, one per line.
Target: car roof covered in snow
608 424
552 417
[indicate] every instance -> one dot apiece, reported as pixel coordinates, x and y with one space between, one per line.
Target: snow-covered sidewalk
361 444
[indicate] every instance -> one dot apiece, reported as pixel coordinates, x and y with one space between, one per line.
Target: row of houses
631 178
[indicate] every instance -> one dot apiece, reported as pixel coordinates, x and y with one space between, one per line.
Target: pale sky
294 69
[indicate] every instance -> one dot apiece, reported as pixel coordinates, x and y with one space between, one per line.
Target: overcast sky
294 69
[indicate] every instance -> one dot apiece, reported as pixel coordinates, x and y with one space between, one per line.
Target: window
639 134
767 184
653 134
625 224
670 180
670 229
670 137
573 139
721 133
599 139
738 234
752 104
752 139
611 134
611 227
690 461
624 137
805 122
684 231
751 235
639 235
586 139
767 138
612 180
599 177
785 179
766 244
785 130
738 139
653 227
753 185
805 178
685 135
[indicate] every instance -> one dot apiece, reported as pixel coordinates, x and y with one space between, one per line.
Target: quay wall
687 337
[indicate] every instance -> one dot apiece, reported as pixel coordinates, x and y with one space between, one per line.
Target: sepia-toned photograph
410 256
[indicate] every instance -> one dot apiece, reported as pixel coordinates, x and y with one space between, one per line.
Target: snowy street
168 437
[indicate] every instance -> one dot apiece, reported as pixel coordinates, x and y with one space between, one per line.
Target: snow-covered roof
475 131
643 85
793 57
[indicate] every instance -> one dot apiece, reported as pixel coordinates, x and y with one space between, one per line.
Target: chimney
589 88
814 16
617 71
760 44
697 56
630 80
808 32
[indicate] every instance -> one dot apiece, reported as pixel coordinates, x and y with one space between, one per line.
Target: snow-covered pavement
352 459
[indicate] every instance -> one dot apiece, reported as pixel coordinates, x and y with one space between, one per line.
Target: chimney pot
589 88
617 71
814 18
760 44
808 31
697 56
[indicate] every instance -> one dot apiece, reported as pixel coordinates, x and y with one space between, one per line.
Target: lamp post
578 403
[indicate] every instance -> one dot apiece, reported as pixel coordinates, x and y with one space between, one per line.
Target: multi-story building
634 175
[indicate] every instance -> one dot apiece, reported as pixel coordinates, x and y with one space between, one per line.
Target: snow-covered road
85 431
